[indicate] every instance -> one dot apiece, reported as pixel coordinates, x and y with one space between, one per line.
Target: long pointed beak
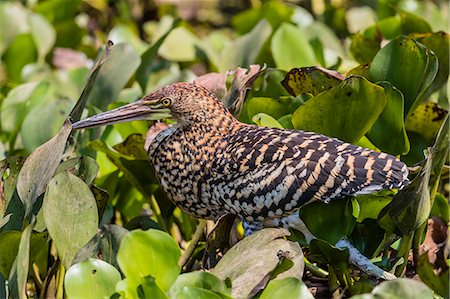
134 111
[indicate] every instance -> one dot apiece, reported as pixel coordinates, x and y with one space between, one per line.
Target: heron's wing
266 170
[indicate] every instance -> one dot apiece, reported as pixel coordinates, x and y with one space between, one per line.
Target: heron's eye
166 102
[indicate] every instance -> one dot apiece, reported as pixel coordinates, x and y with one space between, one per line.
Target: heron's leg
355 257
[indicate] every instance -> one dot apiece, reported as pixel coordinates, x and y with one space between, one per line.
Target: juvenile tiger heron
210 164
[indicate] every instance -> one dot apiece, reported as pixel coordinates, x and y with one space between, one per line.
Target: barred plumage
211 164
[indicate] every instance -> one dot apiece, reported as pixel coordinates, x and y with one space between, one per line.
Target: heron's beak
138 110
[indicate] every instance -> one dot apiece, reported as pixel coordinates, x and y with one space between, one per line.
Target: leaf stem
195 238
405 247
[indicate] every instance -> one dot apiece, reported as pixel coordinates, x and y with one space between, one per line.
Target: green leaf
18 103
367 236
273 107
261 257
39 168
43 34
114 74
91 278
148 56
23 260
193 292
291 49
70 214
411 206
37 130
286 121
20 52
364 48
104 245
438 282
346 111
388 132
83 167
287 288
149 289
154 253
426 120
330 222
13 15
243 51
265 120
371 205
322 251
440 207
10 245
202 280
402 288
409 66
310 80
438 42
180 45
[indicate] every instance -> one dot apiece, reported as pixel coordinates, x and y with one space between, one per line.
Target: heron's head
182 101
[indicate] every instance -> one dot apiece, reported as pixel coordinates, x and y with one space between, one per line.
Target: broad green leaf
70 214
330 222
440 207
179 45
367 236
43 122
388 132
260 251
438 282
291 49
322 251
153 253
243 51
23 260
9 170
127 34
364 48
371 205
43 34
310 80
114 74
10 241
411 206
426 120
269 84
402 288
439 43
273 107
39 168
265 120
346 111
273 11
91 278
286 121
18 103
193 292
20 52
83 167
409 66
148 56
412 23
199 279
149 289
104 245
13 15
287 288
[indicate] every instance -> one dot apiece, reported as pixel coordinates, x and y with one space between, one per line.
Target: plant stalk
195 238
